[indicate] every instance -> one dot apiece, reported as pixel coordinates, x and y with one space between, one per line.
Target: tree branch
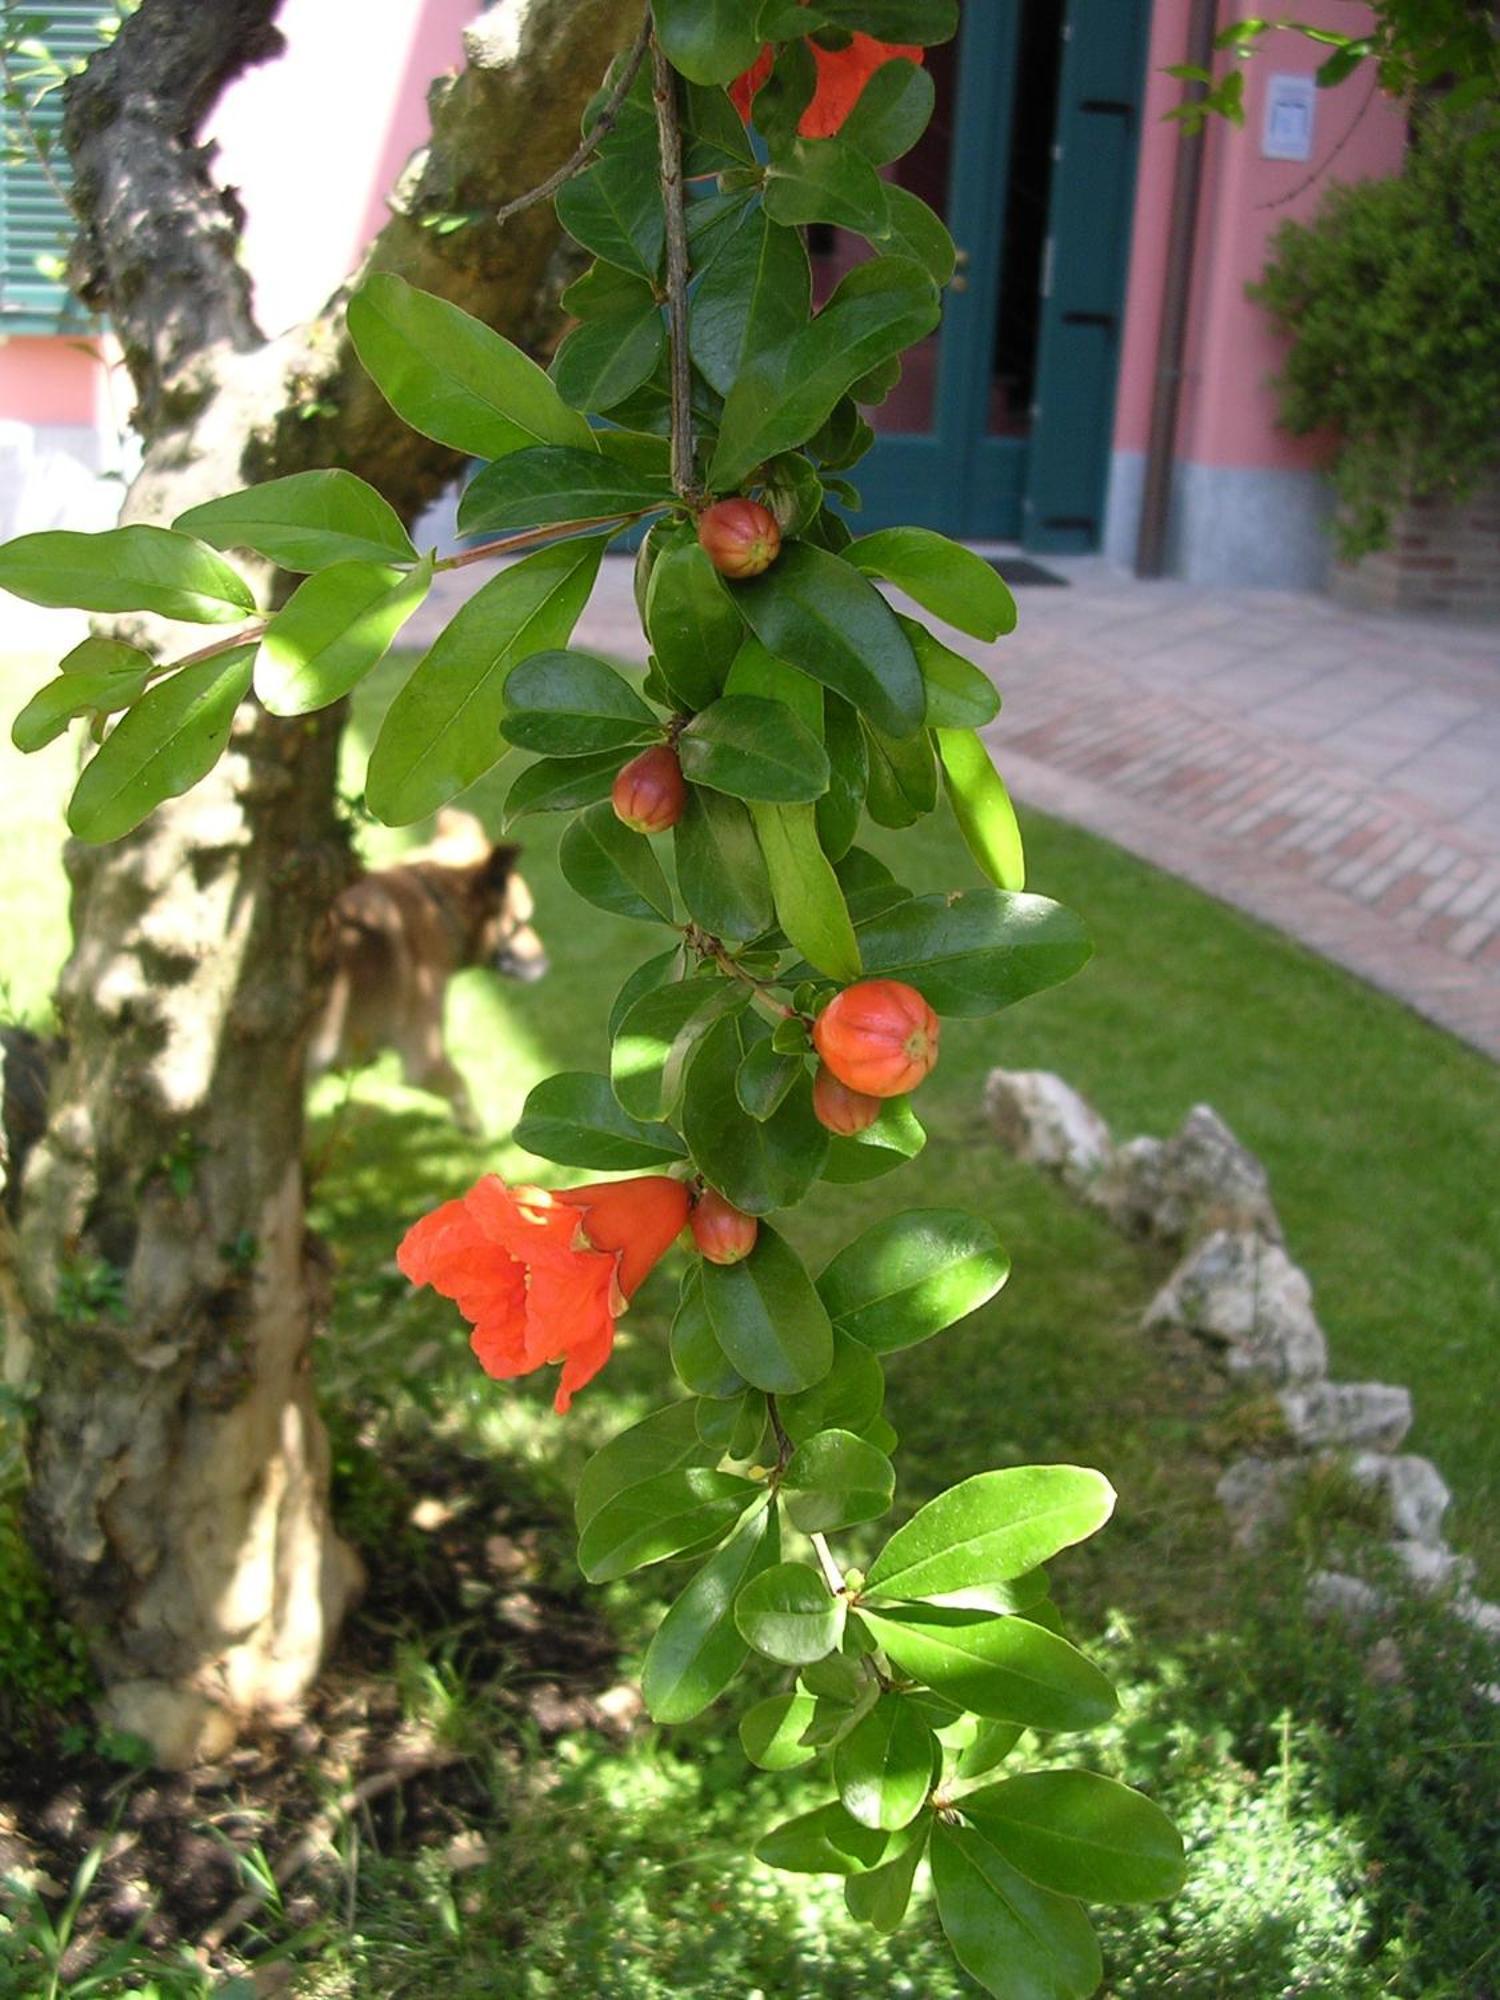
593 139
684 460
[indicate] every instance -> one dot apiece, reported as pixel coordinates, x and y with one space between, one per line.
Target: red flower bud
650 792
879 1037
739 537
841 1109
721 1231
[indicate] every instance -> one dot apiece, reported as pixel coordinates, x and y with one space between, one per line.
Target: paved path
1335 774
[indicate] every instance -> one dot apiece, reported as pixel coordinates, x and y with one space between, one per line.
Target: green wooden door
1001 426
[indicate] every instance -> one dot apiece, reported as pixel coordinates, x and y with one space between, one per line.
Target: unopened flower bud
879 1037
841 1109
739 537
650 792
722 1232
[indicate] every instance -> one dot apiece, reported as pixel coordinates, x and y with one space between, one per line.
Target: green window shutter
36 225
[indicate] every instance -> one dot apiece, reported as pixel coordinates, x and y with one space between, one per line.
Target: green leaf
891 114
764 1077
849 762
814 611
733 1425
880 1896
697 1358
660 1518
1081 1835
332 630
306 521
720 872
615 210
758 1164
562 784
769 1320
709 41
836 1480
992 1744
568 704
451 377
911 1275
890 1142
981 805
945 578
959 696
753 749
886 1765
657 1036
992 1527
443 729
825 180
714 133
903 784
161 747
973 954
605 360
771 1732
789 1614
1019 1942
126 569
825 1841
664 1442
575 1119
809 903
697 1650
915 231
782 396
921 21
849 1396
96 678
554 483
614 868
663 970
604 292
1005 1668
755 294
692 622
757 672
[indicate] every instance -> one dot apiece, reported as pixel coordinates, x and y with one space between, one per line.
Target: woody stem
669 138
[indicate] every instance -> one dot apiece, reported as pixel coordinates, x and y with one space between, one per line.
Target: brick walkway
1335 774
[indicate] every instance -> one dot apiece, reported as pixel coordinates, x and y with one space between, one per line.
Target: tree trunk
179 1469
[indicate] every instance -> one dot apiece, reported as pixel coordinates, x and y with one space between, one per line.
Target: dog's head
505 938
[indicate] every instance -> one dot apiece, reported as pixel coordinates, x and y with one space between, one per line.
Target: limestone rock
1256 1494
183 1727
1372 1415
1432 1570
1331 1594
1415 1489
1245 1295
1198 1181
1484 1617
1045 1122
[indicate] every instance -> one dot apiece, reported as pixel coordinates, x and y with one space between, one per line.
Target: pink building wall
1227 417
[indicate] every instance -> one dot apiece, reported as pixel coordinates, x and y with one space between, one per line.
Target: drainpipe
1177 292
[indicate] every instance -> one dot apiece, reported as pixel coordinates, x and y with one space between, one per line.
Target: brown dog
399 934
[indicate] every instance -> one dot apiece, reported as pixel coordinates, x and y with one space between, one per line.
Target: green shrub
1391 298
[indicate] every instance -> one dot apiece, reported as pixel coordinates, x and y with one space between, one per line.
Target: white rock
1044 1121
1376 1415
1482 1616
1200 1180
1246 1295
1331 1594
1432 1570
1415 1489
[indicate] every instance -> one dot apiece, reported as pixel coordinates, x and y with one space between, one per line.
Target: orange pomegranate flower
842 76
542 1276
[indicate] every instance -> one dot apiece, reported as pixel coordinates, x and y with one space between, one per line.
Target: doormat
1021 572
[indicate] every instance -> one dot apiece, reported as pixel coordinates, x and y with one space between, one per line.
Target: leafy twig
593 139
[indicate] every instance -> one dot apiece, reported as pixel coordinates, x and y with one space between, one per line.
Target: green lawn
1338 1830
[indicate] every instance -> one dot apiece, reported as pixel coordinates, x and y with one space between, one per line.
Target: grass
1340 1820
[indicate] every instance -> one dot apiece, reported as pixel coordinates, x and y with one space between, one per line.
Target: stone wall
1235 1289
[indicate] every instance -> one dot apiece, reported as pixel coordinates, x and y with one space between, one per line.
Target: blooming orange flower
842 76
542 1276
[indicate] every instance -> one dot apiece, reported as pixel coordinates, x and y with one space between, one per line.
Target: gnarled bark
179 1490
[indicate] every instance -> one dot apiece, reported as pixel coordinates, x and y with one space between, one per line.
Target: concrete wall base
1229 525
